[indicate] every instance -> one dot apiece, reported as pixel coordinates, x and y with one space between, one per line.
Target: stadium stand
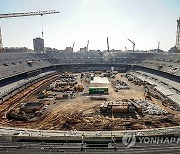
162 65
12 64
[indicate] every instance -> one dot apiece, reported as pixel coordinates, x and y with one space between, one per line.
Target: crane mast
1 45
126 48
73 46
23 14
108 45
158 47
87 46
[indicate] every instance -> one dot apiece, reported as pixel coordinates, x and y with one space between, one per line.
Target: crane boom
132 43
11 15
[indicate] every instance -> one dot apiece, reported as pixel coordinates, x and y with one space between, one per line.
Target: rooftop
32 105
100 80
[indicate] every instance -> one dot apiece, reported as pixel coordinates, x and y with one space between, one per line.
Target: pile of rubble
149 108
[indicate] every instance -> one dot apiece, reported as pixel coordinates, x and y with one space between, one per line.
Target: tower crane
132 43
73 46
108 45
109 50
23 14
158 47
87 45
126 48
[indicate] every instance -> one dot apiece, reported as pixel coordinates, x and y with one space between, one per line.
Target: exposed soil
81 113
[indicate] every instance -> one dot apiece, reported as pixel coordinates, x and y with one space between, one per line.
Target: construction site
91 101
87 97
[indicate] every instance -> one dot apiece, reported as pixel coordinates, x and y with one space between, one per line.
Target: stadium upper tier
12 64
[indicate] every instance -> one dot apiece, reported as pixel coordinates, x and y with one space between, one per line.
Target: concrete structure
99 85
17 64
99 82
31 106
83 49
161 85
17 49
69 49
48 49
102 80
38 44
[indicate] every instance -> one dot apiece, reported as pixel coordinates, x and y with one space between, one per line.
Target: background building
83 49
38 44
69 49
17 49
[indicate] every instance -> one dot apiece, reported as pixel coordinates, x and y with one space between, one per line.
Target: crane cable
42 24
1 44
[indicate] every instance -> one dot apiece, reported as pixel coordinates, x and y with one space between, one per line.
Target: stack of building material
117 106
149 108
120 85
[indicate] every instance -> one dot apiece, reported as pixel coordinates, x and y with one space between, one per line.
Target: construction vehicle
42 94
79 88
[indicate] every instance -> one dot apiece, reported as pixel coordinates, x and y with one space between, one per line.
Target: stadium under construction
89 98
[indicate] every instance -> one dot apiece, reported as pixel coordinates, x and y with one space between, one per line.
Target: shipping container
98 90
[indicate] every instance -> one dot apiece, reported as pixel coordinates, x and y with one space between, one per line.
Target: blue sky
144 21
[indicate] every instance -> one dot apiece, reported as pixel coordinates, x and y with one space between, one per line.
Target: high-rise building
38 44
